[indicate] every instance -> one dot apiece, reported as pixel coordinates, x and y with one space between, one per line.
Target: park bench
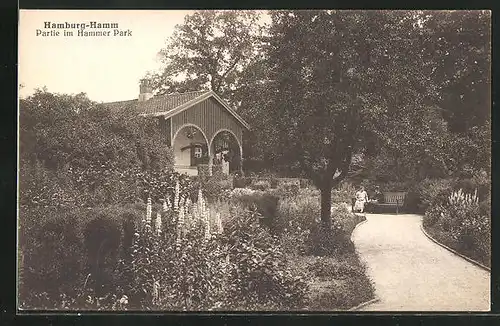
393 200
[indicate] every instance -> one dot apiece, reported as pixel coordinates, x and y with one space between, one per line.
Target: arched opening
190 149
226 153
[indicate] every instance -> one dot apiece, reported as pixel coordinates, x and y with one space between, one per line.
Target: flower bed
336 276
180 251
460 222
180 255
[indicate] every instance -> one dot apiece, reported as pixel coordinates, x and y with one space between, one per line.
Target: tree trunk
326 205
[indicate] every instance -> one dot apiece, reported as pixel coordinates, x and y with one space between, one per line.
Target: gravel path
411 273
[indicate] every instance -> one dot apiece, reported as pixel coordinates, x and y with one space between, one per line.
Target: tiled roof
170 104
158 104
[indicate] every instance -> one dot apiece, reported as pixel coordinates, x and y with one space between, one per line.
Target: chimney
145 91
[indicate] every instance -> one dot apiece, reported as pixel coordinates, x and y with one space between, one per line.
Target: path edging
374 300
360 223
470 260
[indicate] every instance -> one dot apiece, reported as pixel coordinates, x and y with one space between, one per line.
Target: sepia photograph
254 160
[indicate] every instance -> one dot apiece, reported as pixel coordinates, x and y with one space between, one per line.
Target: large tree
211 49
346 82
449 133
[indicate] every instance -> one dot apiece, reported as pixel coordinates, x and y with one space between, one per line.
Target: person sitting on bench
361 200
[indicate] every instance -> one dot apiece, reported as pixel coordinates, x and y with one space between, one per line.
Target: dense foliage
74 152
212 49
458 213
408 89
64 131
181 252
177 256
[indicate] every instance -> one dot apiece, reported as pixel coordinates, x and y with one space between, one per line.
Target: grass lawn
336 283
446 239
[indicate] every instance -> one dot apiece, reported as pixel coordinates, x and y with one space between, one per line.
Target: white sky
106 68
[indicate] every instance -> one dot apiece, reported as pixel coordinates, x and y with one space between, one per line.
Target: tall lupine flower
206 220
207 228
196 213
182 207
200 201
176 196
169 203
180 226
156 291
165 206
460 198
187 214
188 204
148 211
158 223
218 220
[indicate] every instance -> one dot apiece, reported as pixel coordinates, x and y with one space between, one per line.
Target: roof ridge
198 91
160 96
119 101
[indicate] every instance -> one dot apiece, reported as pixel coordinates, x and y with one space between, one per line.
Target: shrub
52 262
344 193
260 185
298 213
460 216
485 206
190 265
241 182
39 186
215 188
102 239
433 215
433 190
63 129
261 271
292 189
77 233
464 208
305 183
273 182
265 204
479 182
412 202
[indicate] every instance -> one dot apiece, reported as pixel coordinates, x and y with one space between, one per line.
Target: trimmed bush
265 204
305 183
102 238
53 261
215 188
241 182
69 252
260 185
